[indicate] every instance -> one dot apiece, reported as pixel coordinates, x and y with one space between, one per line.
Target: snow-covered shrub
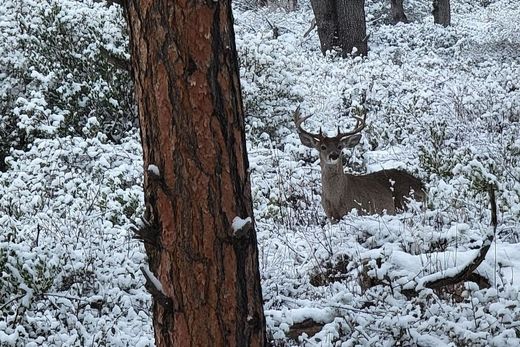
69 267
271 92
56 75
27 276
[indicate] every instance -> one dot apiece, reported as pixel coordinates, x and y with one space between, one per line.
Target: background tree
442 12
341 23
397 12
206 288
352 29
292 5
326 23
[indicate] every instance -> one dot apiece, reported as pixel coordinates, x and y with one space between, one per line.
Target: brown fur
369 194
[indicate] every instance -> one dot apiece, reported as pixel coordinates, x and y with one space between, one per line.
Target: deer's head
330 148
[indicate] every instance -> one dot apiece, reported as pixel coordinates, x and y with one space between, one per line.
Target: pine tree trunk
352 26
326 23
397 12
192 129
441 12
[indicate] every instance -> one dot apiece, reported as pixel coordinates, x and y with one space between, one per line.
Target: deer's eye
323 147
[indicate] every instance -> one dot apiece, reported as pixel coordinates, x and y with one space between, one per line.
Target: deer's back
385 190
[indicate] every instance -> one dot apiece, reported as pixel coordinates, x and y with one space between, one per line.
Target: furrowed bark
352 28
192 129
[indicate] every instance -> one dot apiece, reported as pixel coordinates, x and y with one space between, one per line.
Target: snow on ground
443 104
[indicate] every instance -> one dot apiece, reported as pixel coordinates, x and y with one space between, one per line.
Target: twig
10 301
313 25
120 63
494 223
276 30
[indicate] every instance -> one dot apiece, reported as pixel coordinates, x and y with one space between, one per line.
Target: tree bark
341 23
441 12
192 130
292 5
326 22
397 12
352 28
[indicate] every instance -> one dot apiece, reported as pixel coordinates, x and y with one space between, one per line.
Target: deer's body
378 192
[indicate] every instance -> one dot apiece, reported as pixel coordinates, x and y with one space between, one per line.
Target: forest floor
443 104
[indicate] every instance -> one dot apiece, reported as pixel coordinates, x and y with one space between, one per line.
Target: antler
304 134
360 125
298 120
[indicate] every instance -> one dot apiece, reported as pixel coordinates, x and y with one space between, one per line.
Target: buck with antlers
377 192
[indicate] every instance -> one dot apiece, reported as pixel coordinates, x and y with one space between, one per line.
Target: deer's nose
333 156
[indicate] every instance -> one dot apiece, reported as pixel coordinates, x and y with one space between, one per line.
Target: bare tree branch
313 25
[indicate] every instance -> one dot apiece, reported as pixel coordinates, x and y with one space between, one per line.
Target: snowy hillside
443 104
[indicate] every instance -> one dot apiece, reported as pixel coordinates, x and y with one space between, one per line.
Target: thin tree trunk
352 27
397 12
441 12
292 5
192 129
326 22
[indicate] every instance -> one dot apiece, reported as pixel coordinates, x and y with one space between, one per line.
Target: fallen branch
463 273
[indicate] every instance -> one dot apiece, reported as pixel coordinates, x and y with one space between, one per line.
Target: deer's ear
351 141
309 141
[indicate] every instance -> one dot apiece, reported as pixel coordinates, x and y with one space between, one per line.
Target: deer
385 191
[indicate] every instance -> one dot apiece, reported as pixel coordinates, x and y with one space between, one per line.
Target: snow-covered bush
69 267
56 74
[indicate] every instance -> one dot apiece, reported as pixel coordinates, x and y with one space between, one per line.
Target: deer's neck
332 170
333 178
